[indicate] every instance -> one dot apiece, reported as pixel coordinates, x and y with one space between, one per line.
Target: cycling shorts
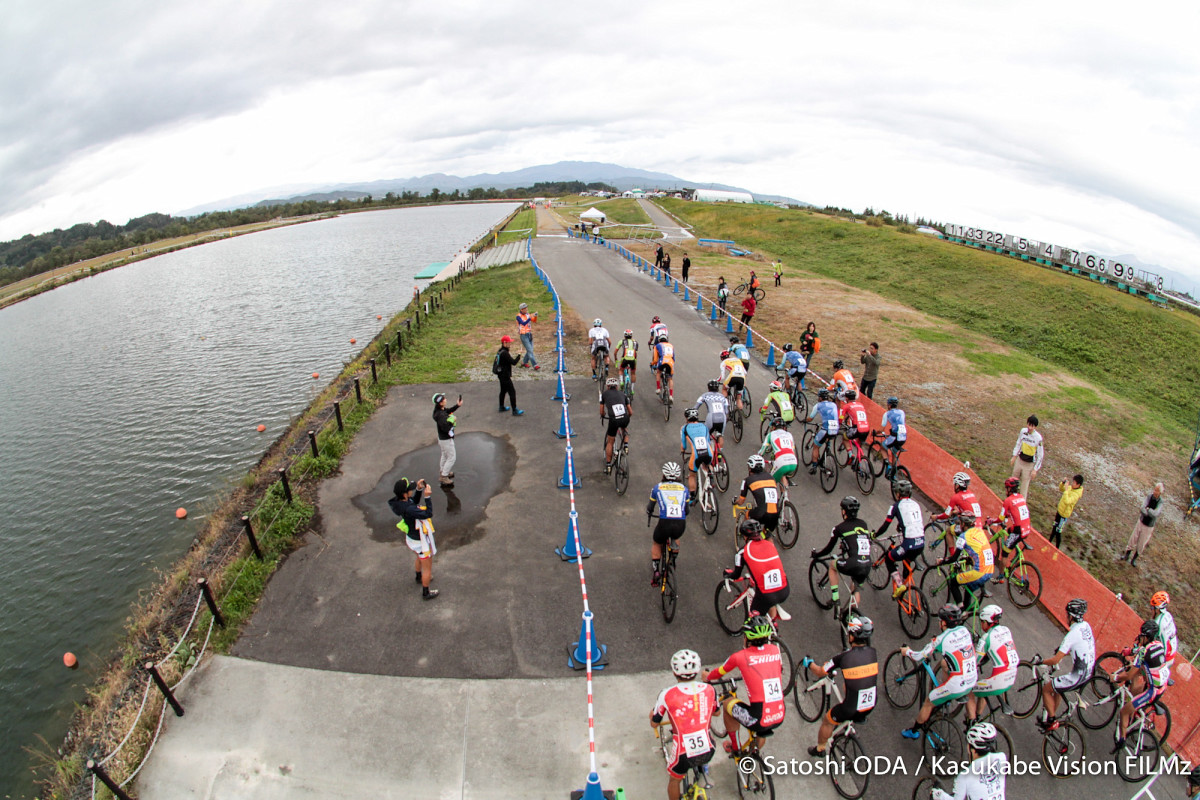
616 424
697 460
784 471
999 683
854 570
629 361
678 762
665 369
716 428
847 711
853 434
746 364
1070 681
796 373
954 689
907 550
735 384
894 444
668 529
763 601
748 714
821 436
769 521
599 348
1010 541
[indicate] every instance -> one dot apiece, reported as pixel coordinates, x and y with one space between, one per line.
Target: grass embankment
623 215
446 347
974 342
523 225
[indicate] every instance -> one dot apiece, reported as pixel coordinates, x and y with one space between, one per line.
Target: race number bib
901 432
831 427
866 699
696 744
618 410
675 510
1023 513
701 443
976 510
772 580
987 556
860 418
785 405
771 495
772 690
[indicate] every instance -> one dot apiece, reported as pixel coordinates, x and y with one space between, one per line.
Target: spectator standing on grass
658 255
870 360
1071 492
416 523
1027 454
722 292
667 263
777 265
444 417
810 343
1143 529
502 368
525 330
748 308
687 265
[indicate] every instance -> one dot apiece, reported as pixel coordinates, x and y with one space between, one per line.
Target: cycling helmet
787 347
991 613
982 737
756 463
1160 599
892 402
733 340
691 415
851 396
1076 609
612 382
779 422
1011 485
663 337
685 664
776 386
758 629
655 321
861 628
950 614
903 488
961 480
724 354
822 394
672 471
838 365
1149 630
850 505
439 397
714 385
751 528
1155 655
629 335
596 323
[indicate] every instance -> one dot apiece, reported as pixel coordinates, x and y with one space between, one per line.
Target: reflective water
127 395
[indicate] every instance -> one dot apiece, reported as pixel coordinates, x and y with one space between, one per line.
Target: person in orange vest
525 329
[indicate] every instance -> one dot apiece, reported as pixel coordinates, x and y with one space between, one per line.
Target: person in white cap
444 417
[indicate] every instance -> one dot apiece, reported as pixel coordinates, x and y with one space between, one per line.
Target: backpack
496 364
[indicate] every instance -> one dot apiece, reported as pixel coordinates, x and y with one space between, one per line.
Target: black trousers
507 388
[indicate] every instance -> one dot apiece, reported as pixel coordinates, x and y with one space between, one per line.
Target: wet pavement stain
483 469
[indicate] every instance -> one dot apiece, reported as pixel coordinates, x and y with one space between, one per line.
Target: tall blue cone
568 470
561 392
714 313
771 358
700 303
593 790
676 289
568 552
686 298
577 657
563 425
749 337
729 323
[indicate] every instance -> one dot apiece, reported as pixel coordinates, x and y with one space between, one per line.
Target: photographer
870 360
416 522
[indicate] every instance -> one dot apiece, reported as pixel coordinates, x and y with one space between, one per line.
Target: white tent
718 196
592 213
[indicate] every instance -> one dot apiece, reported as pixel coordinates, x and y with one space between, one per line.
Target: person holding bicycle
626 356
795 367
759 556
662 361
761 668
778 403
996 648
616 408
1166 624
957 653
693 437
1080 645
716 409
600 342
986 778
1148 677
764 491
825 414
978 564
860 674
854 558
853 421
782 449
688 706
733 377
910 525
1014 517
670 500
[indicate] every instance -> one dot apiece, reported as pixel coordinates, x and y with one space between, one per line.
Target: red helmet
724 354
1010 485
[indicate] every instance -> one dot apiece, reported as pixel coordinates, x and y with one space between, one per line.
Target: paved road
291 721
672 230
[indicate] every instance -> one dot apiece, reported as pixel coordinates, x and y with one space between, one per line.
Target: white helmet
672 471
962 480
596 323
990 613
982 737
685 664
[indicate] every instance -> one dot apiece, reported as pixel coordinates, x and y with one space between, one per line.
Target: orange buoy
354 341
70 661
379 316
316 375
262 428
181 513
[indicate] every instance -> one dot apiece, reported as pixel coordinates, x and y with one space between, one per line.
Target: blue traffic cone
561 392
729 323
593 790
568 552
714 313
568 470
749 337
676 289
700 303
577 658
564 426
686 298
771 358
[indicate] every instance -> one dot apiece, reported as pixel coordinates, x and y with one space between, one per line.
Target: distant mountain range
585 171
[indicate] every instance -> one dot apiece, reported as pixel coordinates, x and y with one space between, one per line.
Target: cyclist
854 557
600 342
995 648
1166 624
693 436
1193 782
987 775
962 505
626 356
616 408
716 409
1080 644
662 361
853 420
759 556
795 367
973 549
894 426
957 653
1148 677
825 414
764 491
670 499
782 449
733 376
689 705
762 671
842 381
741 351
781 403
909 522
860 674
1014 516
657 329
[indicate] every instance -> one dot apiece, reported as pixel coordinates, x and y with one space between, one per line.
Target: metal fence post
357 390
251 537
337 412
387 352
211 601
312 443
287 489
374 374
162 687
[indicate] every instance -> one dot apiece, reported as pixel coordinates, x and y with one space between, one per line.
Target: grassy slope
1139 351
521 226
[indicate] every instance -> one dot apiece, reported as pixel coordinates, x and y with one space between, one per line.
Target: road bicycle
795 393
813 697
733 599
665 567
885 462
720 466
1023 579
787 530
747 403
754 780
1063 746
940 536
907 682
710 510
736 422
827 467
1112 662
695 780
1101 700
627 380
600 370
911 606
744 286
935 585
850 454
620 462
664 396
820 584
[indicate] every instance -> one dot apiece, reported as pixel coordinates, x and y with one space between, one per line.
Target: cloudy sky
1076 123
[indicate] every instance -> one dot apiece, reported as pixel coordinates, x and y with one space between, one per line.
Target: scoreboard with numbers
1054 254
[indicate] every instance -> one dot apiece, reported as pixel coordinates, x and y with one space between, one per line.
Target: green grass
521 226
1003 363
623 211
932 335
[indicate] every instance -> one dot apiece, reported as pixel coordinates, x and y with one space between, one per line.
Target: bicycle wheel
788 531
1026 692
1097 705
841 453
1109 663
877 456
1025 584
901 474
720 473
788 665
759 295
669 595
1138 758
665 397
735 421
806 446
1064 750
1162 720
935 585
935 537
818 583
747 403
800 403
864 476
621 472
878 576
765 426
901 685
844 751
710 512
913 609
829 471
924 788
944 739
731 611
753 780
809 702
741 287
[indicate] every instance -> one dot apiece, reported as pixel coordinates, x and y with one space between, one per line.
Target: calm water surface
129 394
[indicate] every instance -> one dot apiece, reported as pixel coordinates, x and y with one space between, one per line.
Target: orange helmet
1160 599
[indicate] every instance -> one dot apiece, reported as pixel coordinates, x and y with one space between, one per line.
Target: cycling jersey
1080 645
854 419
964 502
996 648
766 568
664 355
1015 515
855 539
782 403
782 447
825 413
765 493
742 353
599 338
1029 448
794 363
860 673
1155 676
978 553
671 500
717 408
893 420
657 332
762 671
909 522
627 351
697 435
957 651
984 780
731 368
689 706
616 405
1166 633
843 382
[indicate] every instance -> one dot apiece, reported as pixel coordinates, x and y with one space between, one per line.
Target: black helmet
1149 630
758 629
850 505
787 347
751 529
822 394
903 488
714 385
950 614
851 395
1076 609
892 402
861 629
691 414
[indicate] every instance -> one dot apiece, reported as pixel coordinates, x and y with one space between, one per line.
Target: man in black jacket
444 417
502 368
